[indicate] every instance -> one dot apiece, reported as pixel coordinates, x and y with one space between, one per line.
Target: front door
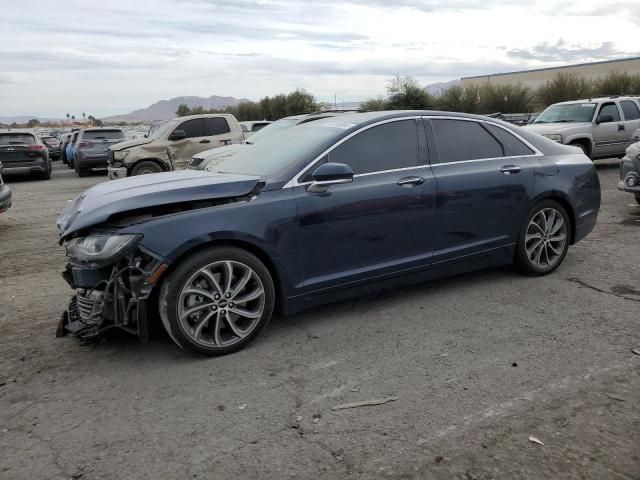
196 140
484 182
379 224
609 137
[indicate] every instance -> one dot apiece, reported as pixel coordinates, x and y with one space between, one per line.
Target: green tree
300 101
374 104
564 87
34 122
183 110
405 93
618 83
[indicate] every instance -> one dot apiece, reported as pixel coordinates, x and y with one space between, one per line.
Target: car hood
548 128
224 151
131 143
99 203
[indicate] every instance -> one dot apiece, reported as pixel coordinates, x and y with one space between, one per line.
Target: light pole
335 98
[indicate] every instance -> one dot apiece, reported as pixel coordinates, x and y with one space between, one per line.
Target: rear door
219 133
484 181
631 114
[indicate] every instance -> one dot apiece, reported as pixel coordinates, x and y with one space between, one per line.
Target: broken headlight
96 250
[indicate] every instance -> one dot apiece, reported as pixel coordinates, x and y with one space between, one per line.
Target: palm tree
84 118
68 116
73 119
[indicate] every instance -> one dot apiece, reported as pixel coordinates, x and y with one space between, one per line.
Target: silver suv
601 127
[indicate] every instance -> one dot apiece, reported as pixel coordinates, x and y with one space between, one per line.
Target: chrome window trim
294 182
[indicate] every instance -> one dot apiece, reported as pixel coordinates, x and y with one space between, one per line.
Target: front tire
144 168
217 301
544 239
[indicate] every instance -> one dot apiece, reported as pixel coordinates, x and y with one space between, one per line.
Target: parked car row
313 213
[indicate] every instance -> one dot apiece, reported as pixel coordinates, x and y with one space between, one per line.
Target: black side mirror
604 119
329 174
178 135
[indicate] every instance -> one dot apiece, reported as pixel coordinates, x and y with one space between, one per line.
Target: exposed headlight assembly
553 136
120 154
96 250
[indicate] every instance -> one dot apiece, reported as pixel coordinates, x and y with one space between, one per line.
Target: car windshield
270 129
162 129
102 135
16 139
268 157
567 113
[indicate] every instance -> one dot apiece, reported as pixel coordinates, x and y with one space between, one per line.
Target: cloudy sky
112 56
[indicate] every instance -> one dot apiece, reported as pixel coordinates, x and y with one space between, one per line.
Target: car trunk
97 143
19 148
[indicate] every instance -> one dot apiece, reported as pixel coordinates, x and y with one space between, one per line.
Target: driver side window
610 109
193 128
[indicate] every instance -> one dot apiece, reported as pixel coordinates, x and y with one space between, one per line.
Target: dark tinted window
630 110
460 140
193 128
512 146
217 126
16 139
385 147
610 109
102 135
259 126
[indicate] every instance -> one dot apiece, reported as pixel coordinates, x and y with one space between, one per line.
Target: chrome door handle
510 169
205 141
620 127
410 181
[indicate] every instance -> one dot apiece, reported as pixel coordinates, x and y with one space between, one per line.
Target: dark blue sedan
319 213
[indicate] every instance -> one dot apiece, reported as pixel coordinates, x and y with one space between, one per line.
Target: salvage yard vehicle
601 127
53 145
171 144
630 171
70 149
91 150
318 213
251 127
202 159
5 194
25 154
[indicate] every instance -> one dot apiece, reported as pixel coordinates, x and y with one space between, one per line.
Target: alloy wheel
545 238
221 304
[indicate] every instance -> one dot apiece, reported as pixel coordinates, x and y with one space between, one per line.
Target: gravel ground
478 364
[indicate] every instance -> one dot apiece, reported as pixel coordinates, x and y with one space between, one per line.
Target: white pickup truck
601 127
171 144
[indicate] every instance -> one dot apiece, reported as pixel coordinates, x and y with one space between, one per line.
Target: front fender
577 137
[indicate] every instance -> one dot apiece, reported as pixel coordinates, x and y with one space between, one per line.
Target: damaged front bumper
110 297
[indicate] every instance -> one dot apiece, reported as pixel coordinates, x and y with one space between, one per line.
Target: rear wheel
544 239
46 175
145 167
217 301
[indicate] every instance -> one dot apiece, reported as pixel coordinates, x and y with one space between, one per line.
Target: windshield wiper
248 142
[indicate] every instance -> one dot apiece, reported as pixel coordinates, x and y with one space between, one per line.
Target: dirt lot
478 364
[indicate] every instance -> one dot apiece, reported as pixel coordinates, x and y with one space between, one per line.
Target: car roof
201 115
364 118
599 99
17 132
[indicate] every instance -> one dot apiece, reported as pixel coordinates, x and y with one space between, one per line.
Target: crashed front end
113 278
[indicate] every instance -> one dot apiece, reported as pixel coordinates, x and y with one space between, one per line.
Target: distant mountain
25 118
166 109
440 87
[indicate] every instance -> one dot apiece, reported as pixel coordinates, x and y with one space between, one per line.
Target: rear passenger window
511 145
217 126
193 128
630 110
460 140
386 147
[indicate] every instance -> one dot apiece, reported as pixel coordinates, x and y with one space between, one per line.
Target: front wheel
544 237
217 301
144 168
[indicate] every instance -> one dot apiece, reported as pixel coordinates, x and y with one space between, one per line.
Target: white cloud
112 57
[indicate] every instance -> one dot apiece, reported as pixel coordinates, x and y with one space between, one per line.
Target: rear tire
145 167
217 301
544 239
46 175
